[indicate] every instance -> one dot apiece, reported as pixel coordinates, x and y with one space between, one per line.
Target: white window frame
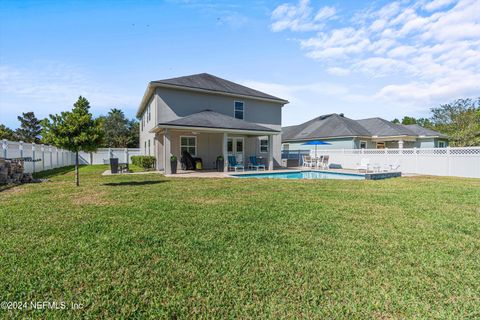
363 141
444 144
286 147
235 107
195 138
263 139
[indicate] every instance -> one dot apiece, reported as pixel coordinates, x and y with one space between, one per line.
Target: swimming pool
302 175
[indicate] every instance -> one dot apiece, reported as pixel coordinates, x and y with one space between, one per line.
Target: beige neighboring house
209 117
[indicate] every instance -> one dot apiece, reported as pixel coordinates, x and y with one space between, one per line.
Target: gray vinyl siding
172 104
145 135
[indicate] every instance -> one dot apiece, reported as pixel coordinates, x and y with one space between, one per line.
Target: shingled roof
215 120
210 82
336 125
327 126
421 131
384 128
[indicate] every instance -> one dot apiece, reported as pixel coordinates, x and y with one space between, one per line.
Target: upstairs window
239 110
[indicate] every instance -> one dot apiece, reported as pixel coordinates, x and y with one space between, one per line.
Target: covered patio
208 135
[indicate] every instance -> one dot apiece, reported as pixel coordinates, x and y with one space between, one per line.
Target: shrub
146 162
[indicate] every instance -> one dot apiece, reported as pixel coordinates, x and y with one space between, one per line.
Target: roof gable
383 128
210 82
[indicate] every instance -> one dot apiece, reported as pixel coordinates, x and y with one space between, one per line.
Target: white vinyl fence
103 155
50 157
458 162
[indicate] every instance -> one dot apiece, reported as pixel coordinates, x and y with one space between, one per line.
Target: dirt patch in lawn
99 198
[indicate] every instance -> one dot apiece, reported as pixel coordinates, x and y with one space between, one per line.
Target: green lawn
147 246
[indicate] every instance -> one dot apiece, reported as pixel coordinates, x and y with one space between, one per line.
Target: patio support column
225 152
167 152
270 152
400 144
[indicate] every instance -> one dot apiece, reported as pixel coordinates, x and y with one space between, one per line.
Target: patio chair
307 161
324 162
233 164
364 165
254 164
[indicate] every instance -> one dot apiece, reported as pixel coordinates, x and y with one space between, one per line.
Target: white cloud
426 52
337 71
300 17
325 13
437 4
54 87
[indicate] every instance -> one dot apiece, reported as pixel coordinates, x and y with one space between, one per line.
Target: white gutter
159 128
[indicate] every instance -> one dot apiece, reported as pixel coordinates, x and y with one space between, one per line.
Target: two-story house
209 117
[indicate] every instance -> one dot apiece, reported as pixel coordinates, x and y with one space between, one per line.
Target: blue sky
364 59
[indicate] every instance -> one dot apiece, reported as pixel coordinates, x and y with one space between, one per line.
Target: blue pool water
302 175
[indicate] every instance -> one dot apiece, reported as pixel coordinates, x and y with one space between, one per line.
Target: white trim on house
159 128
326 138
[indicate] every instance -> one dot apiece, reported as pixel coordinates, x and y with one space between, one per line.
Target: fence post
56 156
416 159
4 147
42 148
63 160
20 148
51 156
110 155
33 156
448 161
126 155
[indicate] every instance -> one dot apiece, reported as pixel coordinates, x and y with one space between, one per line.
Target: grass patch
146 246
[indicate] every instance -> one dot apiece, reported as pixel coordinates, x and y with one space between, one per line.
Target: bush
146 162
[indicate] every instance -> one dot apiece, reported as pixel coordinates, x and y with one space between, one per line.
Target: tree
30 128
134 133
396 121
7 133
74 130
409 120
116 128
460 120
424 122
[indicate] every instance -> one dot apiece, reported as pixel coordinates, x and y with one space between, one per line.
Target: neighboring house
209 117
344 133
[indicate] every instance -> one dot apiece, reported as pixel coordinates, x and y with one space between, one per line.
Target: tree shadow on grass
5 187
54 172
134 183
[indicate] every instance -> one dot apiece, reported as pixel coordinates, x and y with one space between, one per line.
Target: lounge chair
232 164
254 164
391 167
364 165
